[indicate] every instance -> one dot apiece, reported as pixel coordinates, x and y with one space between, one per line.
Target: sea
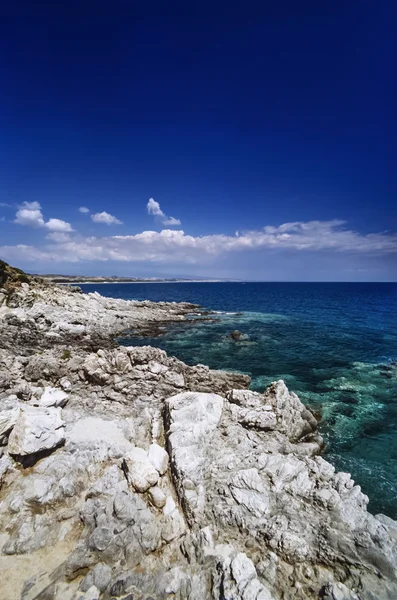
334 344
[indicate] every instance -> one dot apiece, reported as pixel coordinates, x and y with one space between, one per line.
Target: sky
247 141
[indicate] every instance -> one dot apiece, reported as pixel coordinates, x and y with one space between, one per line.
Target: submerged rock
238 336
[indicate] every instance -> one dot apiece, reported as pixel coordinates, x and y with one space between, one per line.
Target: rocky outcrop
34 314
126 474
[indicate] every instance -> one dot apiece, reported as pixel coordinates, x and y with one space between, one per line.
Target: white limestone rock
174 526
157 368
8 418
236 579
175 379
159 458
193 417
139 471
35 430
65 384
248 490
157 497
53 397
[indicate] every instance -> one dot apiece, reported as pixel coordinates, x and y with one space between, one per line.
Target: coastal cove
334 344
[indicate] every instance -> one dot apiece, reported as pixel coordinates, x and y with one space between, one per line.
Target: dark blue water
334 344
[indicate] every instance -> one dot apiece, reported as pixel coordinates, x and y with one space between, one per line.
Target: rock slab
36 429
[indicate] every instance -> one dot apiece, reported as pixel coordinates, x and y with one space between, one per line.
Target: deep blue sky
232 118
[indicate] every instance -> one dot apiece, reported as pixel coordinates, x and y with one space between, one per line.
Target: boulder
139 471
53 397
157 497
35 430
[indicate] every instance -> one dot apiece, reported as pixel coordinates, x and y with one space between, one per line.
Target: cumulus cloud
84 209
106 218
177 247
29 214
153 208
58 225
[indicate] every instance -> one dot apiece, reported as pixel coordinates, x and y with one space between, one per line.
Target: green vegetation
66 354
11 275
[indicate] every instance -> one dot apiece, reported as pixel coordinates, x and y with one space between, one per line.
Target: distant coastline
143 281
83 280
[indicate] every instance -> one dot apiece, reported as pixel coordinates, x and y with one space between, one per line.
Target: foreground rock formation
126 474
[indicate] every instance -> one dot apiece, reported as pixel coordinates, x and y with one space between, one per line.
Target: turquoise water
334 344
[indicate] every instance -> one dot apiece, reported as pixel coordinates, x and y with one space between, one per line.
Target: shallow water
334 344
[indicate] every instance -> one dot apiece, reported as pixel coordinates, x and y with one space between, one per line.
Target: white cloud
30 214
106 218
154 209
84 209
176 247
58 225
59 237
5 205
172 221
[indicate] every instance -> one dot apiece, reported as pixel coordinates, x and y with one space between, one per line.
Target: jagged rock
236 579
228 476
35 430
53 397
276 409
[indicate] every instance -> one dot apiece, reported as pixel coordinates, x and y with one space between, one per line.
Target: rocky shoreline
126 474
